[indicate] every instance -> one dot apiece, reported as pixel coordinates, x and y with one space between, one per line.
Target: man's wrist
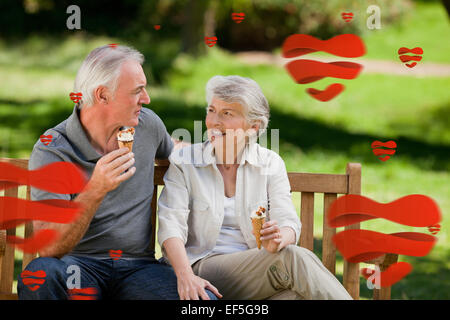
94 192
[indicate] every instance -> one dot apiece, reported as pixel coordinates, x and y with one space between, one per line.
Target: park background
39 58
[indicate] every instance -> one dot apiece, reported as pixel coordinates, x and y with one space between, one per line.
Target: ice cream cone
257 224
128 144
125 138
258 219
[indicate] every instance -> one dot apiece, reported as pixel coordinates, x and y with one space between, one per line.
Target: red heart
306 71
238 17
329 93
406 58
210 41
115 254
393 274
381 152
83 294
33 280
46 139
347 16
75 96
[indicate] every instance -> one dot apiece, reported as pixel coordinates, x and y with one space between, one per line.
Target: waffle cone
128 144
257 226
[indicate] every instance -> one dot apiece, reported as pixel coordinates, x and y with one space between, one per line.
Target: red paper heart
33 280
46 139
406 58
210 41
329 93
347 16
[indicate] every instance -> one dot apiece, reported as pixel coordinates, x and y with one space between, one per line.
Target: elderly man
115 203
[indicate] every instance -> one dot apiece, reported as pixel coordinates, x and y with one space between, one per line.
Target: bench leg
385 293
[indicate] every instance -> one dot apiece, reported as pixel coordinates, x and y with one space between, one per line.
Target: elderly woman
205 209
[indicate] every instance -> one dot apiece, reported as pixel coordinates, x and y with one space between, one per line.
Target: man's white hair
244 91
102 68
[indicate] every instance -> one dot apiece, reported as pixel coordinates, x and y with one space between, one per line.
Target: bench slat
300 182
27 257
307 220
7 272
153 218
159 175
2 248
328 248
351 270
318 182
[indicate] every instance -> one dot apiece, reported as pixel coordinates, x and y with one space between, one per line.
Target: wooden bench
308 184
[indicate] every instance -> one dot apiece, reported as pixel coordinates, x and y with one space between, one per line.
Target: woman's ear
252 132
255 126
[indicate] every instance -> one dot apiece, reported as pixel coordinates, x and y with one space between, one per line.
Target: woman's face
227 127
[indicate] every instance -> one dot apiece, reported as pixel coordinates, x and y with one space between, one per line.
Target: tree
193 32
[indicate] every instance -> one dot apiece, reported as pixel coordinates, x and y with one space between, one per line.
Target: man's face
130 94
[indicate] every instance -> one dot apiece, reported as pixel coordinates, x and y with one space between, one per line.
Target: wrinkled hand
109 172
192 287
271 236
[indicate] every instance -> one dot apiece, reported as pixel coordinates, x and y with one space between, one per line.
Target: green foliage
267 23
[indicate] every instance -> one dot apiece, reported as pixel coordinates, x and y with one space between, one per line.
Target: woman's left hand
271 236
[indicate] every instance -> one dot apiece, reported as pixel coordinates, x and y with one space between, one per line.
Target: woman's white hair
244 91
102 68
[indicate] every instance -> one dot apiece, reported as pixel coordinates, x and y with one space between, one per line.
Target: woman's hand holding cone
271 236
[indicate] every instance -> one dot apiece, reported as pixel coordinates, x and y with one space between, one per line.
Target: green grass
424 26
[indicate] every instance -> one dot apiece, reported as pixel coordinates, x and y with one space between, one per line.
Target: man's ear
102 95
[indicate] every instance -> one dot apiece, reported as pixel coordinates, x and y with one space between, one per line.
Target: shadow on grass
305 134
429 279
310 134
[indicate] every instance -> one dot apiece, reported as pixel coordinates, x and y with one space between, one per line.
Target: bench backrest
308 184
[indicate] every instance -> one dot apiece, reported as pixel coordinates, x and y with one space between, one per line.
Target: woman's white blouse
191 205
230 237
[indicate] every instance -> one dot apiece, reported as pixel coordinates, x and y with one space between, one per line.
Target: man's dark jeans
125 279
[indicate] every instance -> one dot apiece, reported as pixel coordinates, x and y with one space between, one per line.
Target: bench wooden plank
27 257
159 175
328 248
384 293
9 296
21 163
318 182
2 248
307 220
351 270
7 272
153 217
300 182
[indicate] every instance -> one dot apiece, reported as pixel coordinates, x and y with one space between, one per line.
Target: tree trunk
193 32
446 4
